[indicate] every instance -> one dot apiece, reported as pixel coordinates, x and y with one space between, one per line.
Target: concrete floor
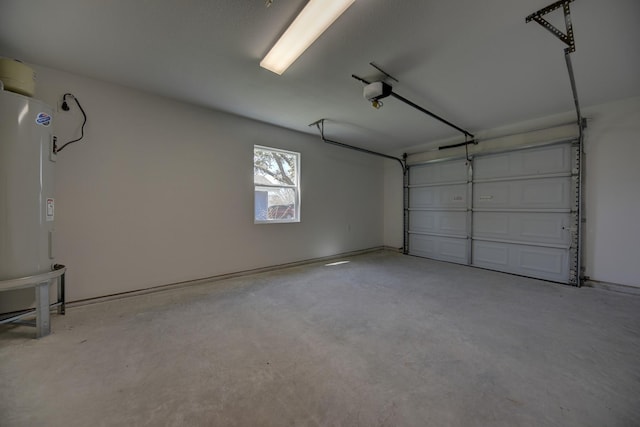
385 340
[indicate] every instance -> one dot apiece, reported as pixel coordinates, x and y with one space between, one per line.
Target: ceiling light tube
314 19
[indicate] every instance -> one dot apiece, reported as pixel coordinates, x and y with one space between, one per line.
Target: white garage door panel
517 215
543 193
544 160
540 262
438 173
542 228
438 247
522 219
440 197
438 222
438 217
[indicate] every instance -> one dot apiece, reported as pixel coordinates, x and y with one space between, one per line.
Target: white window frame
295 187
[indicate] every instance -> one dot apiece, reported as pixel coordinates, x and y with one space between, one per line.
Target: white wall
393 182
612 194
612 191
160 192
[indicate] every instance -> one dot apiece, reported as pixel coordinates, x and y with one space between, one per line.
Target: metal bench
40 283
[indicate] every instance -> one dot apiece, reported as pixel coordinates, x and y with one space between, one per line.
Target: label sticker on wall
50 209
43 119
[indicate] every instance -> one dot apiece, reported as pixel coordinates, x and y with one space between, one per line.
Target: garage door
514 211
524 212
438 211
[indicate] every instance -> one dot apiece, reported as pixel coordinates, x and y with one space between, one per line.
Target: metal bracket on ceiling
384 72
567 38
320 125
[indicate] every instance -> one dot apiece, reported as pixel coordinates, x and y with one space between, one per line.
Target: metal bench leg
43 317
61 296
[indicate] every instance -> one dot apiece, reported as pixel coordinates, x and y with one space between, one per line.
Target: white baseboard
171 286
615 287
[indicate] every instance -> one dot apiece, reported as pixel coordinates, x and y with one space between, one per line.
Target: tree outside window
277 185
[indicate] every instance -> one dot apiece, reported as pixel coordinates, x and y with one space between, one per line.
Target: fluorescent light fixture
314 19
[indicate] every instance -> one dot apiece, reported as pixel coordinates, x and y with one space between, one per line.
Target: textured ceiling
476 63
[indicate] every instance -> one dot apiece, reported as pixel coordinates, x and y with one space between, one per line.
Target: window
276 180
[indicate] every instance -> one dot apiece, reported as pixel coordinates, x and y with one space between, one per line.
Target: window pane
276 175
274 167
275 203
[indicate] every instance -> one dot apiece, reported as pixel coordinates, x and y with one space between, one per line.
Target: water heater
27 202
